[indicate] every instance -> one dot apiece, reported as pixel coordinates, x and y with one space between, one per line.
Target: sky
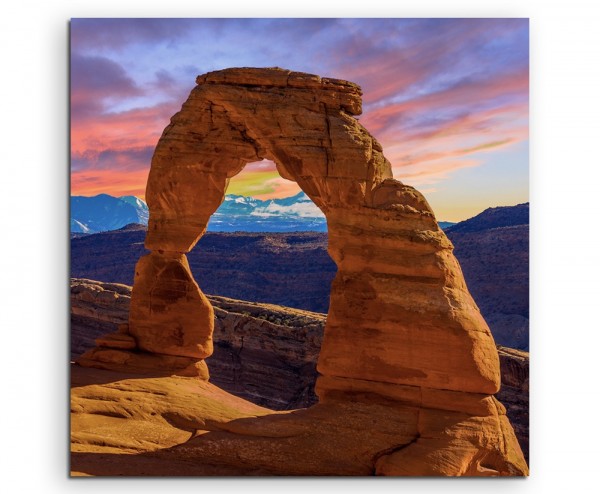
447 98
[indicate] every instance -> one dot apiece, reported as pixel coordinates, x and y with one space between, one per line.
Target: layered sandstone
402 326
400 312
263 353
132 425
267 354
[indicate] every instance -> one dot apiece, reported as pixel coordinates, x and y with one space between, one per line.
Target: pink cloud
137 127
432 173
118 182
468 97
435 91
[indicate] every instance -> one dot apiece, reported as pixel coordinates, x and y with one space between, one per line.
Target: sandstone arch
400 311
402 325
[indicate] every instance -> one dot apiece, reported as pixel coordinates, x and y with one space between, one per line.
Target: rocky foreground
263 353
177 426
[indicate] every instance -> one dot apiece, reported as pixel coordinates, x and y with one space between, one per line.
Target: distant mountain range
103 213
298 213
248 214
499 217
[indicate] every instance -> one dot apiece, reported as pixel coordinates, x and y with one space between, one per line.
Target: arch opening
265 249
259 199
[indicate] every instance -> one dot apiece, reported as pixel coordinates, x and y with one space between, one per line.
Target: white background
565 137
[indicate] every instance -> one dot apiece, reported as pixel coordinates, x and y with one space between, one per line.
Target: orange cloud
281 188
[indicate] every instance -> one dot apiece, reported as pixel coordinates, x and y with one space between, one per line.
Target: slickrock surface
267 354
176 426
402 329
117 418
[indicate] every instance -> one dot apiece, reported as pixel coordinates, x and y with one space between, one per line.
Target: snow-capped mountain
140 206
235 214
288 214
104 212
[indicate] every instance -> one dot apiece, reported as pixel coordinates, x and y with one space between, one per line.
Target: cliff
514 393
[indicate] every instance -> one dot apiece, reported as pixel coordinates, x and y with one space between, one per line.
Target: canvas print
299 247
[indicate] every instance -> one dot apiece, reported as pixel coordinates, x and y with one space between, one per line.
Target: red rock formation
402 324
169 314
268 354
264 353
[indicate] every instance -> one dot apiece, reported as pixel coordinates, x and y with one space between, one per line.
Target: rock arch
402 329
400 313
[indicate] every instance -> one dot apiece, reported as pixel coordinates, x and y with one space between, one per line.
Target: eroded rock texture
267 353
96 308
262 352
402 325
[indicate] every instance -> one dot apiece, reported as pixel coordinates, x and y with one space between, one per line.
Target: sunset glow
447 98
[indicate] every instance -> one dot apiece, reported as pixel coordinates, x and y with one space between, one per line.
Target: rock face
169 314
265 353
402 325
